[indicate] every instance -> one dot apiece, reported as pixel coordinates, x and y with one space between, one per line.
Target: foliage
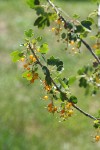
33 56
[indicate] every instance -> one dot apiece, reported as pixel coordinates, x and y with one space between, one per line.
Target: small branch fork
66 22
53 82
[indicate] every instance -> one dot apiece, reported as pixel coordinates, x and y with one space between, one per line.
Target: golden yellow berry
95 46
25 65
72 42
53 29
38 50
70 112
97 138
68 106
96 121
59 21
55 108
50 109
32 81
35 75
31 57
22 59
34 59
50 105
73 48
47 88
28 68
46 97
62 111
28 75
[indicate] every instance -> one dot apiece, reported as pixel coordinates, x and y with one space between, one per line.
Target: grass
24 121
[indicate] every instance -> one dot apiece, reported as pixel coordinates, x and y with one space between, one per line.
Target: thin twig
83 112
32 50
91 51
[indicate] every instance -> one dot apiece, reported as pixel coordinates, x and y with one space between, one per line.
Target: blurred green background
25 124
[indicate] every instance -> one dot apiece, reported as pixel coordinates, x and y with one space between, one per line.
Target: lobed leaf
63 96
44 48
29 33
97 52
46 71
71 80
63 84
25 75
63 35
33 3
87 24
55 62
83 82
79 29
16 55
73 99
42 21
39 10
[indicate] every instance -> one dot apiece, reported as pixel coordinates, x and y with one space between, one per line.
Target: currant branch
66 23
91 51
76 107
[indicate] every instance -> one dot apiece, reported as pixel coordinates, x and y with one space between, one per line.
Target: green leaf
38 21
97 52
79 44
16 55
52 16
42 21
72 36
47 75
96 124
82 71
48 79
36 2
29 33
71 80
39 10
85 33
46 71
44 48
85 70
33 3
87 24
59 65
62 83
70 25
39 38
63 96
25 75
63 35
73 99
51 61
76 16
55 62
66 81
79 29
83 82
91 19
